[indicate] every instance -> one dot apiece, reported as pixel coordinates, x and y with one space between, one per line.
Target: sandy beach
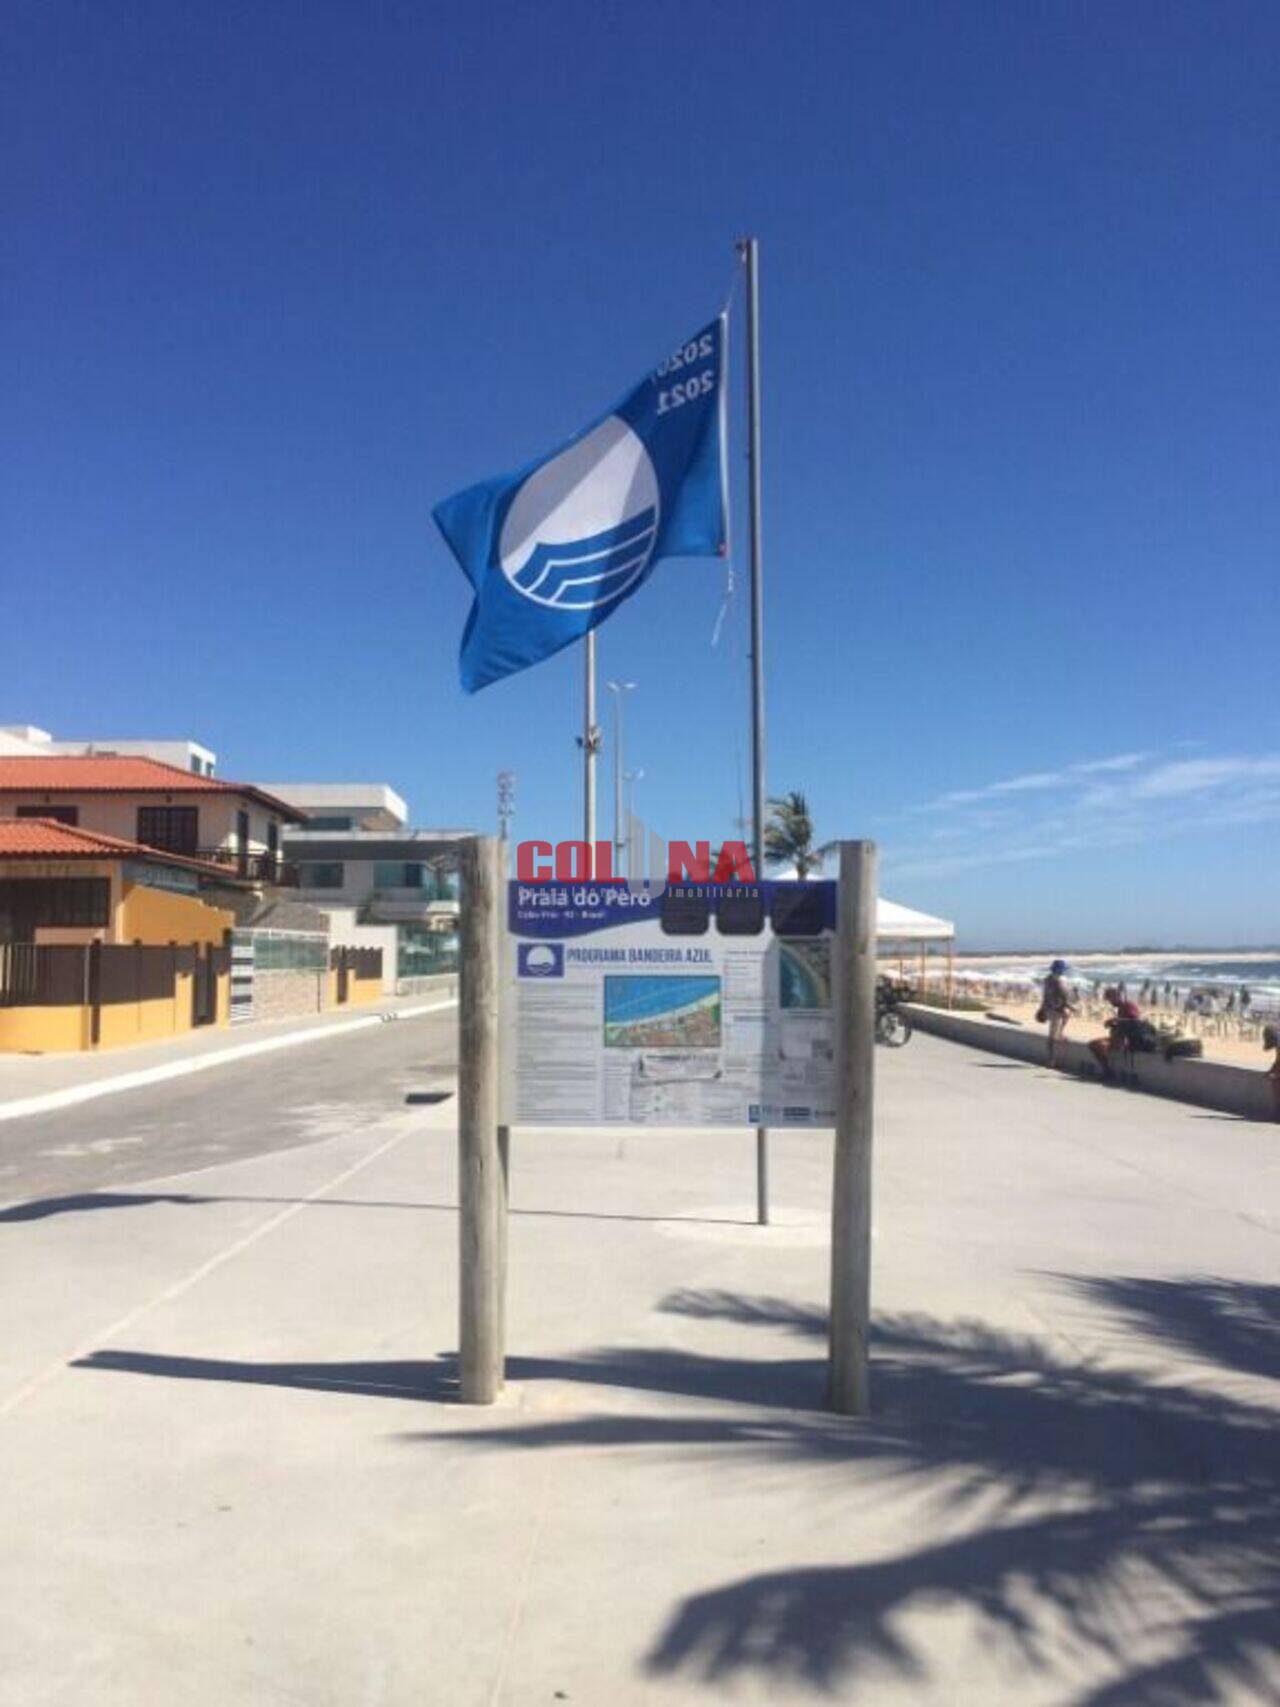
1225 1045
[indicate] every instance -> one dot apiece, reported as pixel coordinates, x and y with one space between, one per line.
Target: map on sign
705 1005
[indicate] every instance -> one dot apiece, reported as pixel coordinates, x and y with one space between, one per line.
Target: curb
45 1101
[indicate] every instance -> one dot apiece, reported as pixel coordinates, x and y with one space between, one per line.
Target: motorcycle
893 1028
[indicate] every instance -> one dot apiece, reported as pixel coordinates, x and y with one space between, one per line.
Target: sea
1217 974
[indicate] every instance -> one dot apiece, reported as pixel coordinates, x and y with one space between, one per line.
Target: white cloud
1034 782
1121 762
1093 804
1195 776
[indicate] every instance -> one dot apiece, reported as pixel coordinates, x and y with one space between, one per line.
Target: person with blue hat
1056 1007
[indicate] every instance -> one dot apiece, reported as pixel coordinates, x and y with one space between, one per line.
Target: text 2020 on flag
556 547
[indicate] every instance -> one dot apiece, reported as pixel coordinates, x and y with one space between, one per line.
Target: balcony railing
257 867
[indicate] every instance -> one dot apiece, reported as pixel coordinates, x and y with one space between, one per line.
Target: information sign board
704 1005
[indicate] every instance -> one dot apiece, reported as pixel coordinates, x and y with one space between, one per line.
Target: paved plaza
236 1471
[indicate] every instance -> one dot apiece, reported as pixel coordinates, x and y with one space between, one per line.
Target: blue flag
558 546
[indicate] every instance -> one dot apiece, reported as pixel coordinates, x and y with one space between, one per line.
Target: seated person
1124 1032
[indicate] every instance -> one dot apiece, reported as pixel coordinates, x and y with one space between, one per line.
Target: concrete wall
286 995
435 985
1208 1084
345 932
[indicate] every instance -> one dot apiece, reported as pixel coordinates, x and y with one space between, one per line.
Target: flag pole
749 250
589 740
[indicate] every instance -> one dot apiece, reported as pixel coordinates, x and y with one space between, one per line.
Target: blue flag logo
555 548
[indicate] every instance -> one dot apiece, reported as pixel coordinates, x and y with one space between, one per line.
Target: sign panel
705 1005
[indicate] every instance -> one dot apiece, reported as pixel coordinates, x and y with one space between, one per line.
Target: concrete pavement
236 1473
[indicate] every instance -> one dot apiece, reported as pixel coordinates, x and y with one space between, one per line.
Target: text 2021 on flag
556 547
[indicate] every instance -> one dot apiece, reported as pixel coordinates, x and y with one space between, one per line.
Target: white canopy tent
896 926
897 923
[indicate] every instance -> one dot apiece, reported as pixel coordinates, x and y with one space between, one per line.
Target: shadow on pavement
40 1209
43 1207
1139 1512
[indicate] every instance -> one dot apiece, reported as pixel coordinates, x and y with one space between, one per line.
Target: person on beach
1271 1044
1123 1032
1056 1008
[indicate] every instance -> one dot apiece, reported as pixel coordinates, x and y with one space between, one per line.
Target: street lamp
506 802
618 689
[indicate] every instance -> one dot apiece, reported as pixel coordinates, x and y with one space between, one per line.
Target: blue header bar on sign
576 909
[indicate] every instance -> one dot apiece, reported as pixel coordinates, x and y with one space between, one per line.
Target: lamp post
506 803
631 778
618 690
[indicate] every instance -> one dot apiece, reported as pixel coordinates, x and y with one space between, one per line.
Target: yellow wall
359 990
39 1030
141 1022
158 916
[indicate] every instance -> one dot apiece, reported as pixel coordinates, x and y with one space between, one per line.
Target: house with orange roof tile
105 941
233 826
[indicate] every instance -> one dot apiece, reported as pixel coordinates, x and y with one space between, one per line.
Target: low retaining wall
430 984
1209 1084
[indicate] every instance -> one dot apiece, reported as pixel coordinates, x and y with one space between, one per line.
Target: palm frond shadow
1137 1511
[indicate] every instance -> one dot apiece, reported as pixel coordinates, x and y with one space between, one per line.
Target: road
302 1095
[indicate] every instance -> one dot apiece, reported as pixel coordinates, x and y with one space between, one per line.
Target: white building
382 884
24 740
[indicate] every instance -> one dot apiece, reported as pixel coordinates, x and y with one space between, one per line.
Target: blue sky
277 279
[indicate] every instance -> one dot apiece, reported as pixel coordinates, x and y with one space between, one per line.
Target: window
64 901
59 814
173 828
321 874
421 953
392 874
327 823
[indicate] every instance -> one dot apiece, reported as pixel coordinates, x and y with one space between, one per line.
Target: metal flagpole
589 741
620 837
749 249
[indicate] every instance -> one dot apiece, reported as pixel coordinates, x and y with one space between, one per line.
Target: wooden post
504 1204
93 993
481 1182
854 1015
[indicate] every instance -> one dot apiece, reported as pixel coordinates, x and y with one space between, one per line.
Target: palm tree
788 835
